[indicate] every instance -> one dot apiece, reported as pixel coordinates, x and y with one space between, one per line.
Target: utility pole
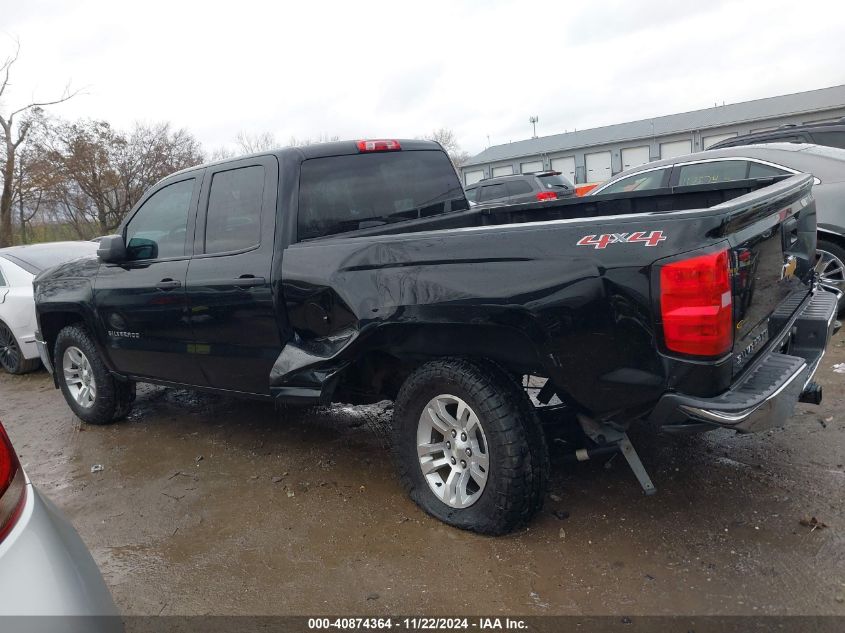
533 120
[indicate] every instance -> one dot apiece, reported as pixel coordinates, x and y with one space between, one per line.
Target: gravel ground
207 505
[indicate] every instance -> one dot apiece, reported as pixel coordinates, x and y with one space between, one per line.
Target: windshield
652 179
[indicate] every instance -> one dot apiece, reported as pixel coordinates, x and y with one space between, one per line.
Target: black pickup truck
356 272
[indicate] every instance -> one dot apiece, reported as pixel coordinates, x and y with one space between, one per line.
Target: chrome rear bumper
765 396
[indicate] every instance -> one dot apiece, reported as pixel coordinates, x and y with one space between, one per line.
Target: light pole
533 120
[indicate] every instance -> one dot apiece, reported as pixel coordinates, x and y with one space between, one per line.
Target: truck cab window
159 228
233 221
347 193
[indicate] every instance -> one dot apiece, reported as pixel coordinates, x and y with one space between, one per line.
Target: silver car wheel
832 270
453 451
79 377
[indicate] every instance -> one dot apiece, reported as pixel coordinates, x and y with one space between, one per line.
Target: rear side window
519 187
346 193
831 139
2 279
472 192
554 181
492 192
713 172
233 221
758 170
638 182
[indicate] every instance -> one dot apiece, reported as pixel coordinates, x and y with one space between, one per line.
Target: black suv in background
528 187
831 134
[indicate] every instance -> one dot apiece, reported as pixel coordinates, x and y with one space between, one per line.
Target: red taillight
546 195
381 145
12 485
695 305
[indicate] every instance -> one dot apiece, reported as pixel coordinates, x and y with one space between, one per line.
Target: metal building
596 154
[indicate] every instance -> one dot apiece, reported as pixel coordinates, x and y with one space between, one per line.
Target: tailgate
773 246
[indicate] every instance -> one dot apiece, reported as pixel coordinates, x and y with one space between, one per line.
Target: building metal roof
758 109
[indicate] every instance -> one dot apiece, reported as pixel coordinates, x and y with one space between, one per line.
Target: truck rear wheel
95 396
469 447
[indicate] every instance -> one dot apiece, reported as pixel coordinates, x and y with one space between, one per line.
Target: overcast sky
401 69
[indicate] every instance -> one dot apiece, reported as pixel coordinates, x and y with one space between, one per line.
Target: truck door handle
168 284
245 281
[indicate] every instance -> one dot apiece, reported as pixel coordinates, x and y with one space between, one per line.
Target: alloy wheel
832 270
453 451
79 377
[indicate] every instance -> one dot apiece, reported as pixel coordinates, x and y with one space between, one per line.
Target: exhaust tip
812 394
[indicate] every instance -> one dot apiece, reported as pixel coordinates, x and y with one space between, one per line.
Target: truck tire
94 395
485 464
834 265
11 357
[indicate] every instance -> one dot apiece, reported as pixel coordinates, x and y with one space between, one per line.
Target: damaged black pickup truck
356 271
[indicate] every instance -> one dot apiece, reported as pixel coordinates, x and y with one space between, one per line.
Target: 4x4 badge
602 241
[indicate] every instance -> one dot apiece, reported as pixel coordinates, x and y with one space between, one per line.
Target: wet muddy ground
210 505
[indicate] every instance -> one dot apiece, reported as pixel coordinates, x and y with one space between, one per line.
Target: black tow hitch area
612 438
812 393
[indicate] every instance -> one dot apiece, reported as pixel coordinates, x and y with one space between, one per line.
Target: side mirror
111 249
141 248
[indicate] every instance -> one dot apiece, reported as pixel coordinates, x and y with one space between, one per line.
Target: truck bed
697 197
561 289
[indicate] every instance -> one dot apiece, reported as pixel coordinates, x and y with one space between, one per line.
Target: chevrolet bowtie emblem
789 266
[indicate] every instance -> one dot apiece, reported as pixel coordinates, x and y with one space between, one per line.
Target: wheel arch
831 235
52 319
382 362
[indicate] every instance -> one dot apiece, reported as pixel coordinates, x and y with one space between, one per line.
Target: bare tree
247 143
12 137
222 153
34 177
253 143
104 172
449 142
302 142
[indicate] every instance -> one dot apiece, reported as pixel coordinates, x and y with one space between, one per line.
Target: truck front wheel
95 396
468 446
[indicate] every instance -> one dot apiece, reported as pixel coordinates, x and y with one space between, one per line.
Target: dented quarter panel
523 294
